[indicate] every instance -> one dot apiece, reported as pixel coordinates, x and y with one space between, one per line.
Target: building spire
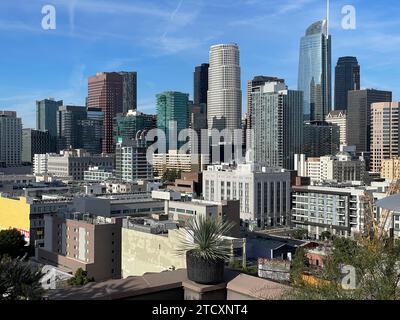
327 17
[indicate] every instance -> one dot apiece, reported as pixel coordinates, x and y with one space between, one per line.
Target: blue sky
163 40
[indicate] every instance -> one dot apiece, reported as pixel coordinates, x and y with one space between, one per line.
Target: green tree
300 234
19 280
80 279
376 266
326 235
171 175
12 243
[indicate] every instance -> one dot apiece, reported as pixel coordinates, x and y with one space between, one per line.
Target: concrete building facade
83 241
338 118
224 103
264 193
339 168
10 139
385 141
277 120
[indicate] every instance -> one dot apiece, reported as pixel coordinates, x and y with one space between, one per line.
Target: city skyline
167 62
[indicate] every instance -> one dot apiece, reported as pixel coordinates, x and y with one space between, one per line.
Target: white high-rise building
10 139
224 108
264 193
277 120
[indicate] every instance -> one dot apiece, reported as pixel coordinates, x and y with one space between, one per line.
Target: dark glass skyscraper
359 116
91 130
347 78
46 119
201 84
129 91
134 123
68 118
314 77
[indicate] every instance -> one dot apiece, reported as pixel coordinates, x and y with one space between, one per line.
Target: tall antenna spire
327 17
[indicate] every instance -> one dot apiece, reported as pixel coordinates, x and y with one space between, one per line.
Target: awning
391 203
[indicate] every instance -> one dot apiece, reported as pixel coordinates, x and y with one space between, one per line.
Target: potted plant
206 251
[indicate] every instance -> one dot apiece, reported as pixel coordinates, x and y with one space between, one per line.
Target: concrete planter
204 271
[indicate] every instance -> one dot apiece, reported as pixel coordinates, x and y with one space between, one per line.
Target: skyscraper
347 78
68 118
46 119
10 139
129 125
315 71
384 133
105 91
224 102
91 130
338 118
359 116
278 124
254 86
34 142
201 84
321 139
172 106
129 91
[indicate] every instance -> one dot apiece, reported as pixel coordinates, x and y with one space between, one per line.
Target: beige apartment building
384 133
92 243
339 118
174 160
390 169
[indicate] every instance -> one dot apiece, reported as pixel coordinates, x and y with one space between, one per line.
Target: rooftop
161 285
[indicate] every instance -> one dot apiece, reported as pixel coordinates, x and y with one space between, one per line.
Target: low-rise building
338 209
40 164
189 183
227 210
9 183
26 214
97 174
152 246
71 163
82 241
174 160
340 168
119 205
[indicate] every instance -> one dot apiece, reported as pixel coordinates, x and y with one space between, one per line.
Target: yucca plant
206 250
203 237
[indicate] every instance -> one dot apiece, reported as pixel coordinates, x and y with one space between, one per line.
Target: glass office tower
172 106
314 77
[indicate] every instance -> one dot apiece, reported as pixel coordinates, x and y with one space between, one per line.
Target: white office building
264 193
224 107
131 161
70 164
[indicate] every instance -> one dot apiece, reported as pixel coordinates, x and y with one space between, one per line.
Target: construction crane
374 228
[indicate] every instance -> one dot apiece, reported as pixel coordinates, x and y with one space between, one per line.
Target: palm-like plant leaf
203 237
